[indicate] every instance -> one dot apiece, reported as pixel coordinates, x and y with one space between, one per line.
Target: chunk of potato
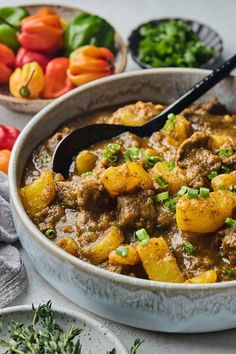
69 245
179 133
218 141
131 258
176 177
85 162
98 251
38 194
203 215
158 262
125 178
210 276
223 181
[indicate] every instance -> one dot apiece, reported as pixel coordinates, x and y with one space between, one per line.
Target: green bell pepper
10 18
89 29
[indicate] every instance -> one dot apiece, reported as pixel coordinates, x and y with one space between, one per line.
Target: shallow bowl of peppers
46 51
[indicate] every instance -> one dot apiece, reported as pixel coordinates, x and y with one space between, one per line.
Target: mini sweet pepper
90 63
27 82
8 136
10 18
42 32
7 62
4 160
56 81
24 56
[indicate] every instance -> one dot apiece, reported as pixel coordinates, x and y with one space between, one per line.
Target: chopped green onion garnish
50 233
204 192
182 191
86 174
226 152
231 188
192 193
230 222
143 236
212 175
229 273
114 147
170 123
122 251
225 169
108 155
161 196
133 153
151 160
188 247
161 181
171 204
171 248
170 165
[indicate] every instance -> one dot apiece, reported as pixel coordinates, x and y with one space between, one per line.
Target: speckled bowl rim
81 317
88 268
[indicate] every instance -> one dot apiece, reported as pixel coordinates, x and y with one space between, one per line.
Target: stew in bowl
160 207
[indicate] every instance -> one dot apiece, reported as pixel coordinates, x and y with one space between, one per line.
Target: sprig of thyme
45 336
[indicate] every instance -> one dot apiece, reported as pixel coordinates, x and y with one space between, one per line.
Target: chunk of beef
194 156
228 246
230 161
91 195
56 138
67 192
165 216
137 211
136 114
48 218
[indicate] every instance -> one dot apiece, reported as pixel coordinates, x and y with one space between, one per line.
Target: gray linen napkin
12 272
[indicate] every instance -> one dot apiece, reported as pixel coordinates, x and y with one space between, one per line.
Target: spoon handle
192 95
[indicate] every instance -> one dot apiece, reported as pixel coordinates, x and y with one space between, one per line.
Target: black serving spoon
81 138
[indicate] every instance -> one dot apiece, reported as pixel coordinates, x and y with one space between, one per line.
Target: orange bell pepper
7 62
90 63
27 82
42 32
56 81
4 160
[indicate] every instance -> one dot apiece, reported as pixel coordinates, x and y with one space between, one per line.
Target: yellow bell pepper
28 81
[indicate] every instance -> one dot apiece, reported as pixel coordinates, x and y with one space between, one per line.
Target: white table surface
125 15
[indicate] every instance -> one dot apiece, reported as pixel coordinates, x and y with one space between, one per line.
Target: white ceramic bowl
95 337
141 303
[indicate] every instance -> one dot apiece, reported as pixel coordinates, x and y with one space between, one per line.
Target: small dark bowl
206 34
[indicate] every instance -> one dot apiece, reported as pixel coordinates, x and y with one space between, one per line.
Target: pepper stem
8 23
24 90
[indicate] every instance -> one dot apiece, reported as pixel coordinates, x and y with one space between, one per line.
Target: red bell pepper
8 136
42 32
7 62
24 56
56 81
